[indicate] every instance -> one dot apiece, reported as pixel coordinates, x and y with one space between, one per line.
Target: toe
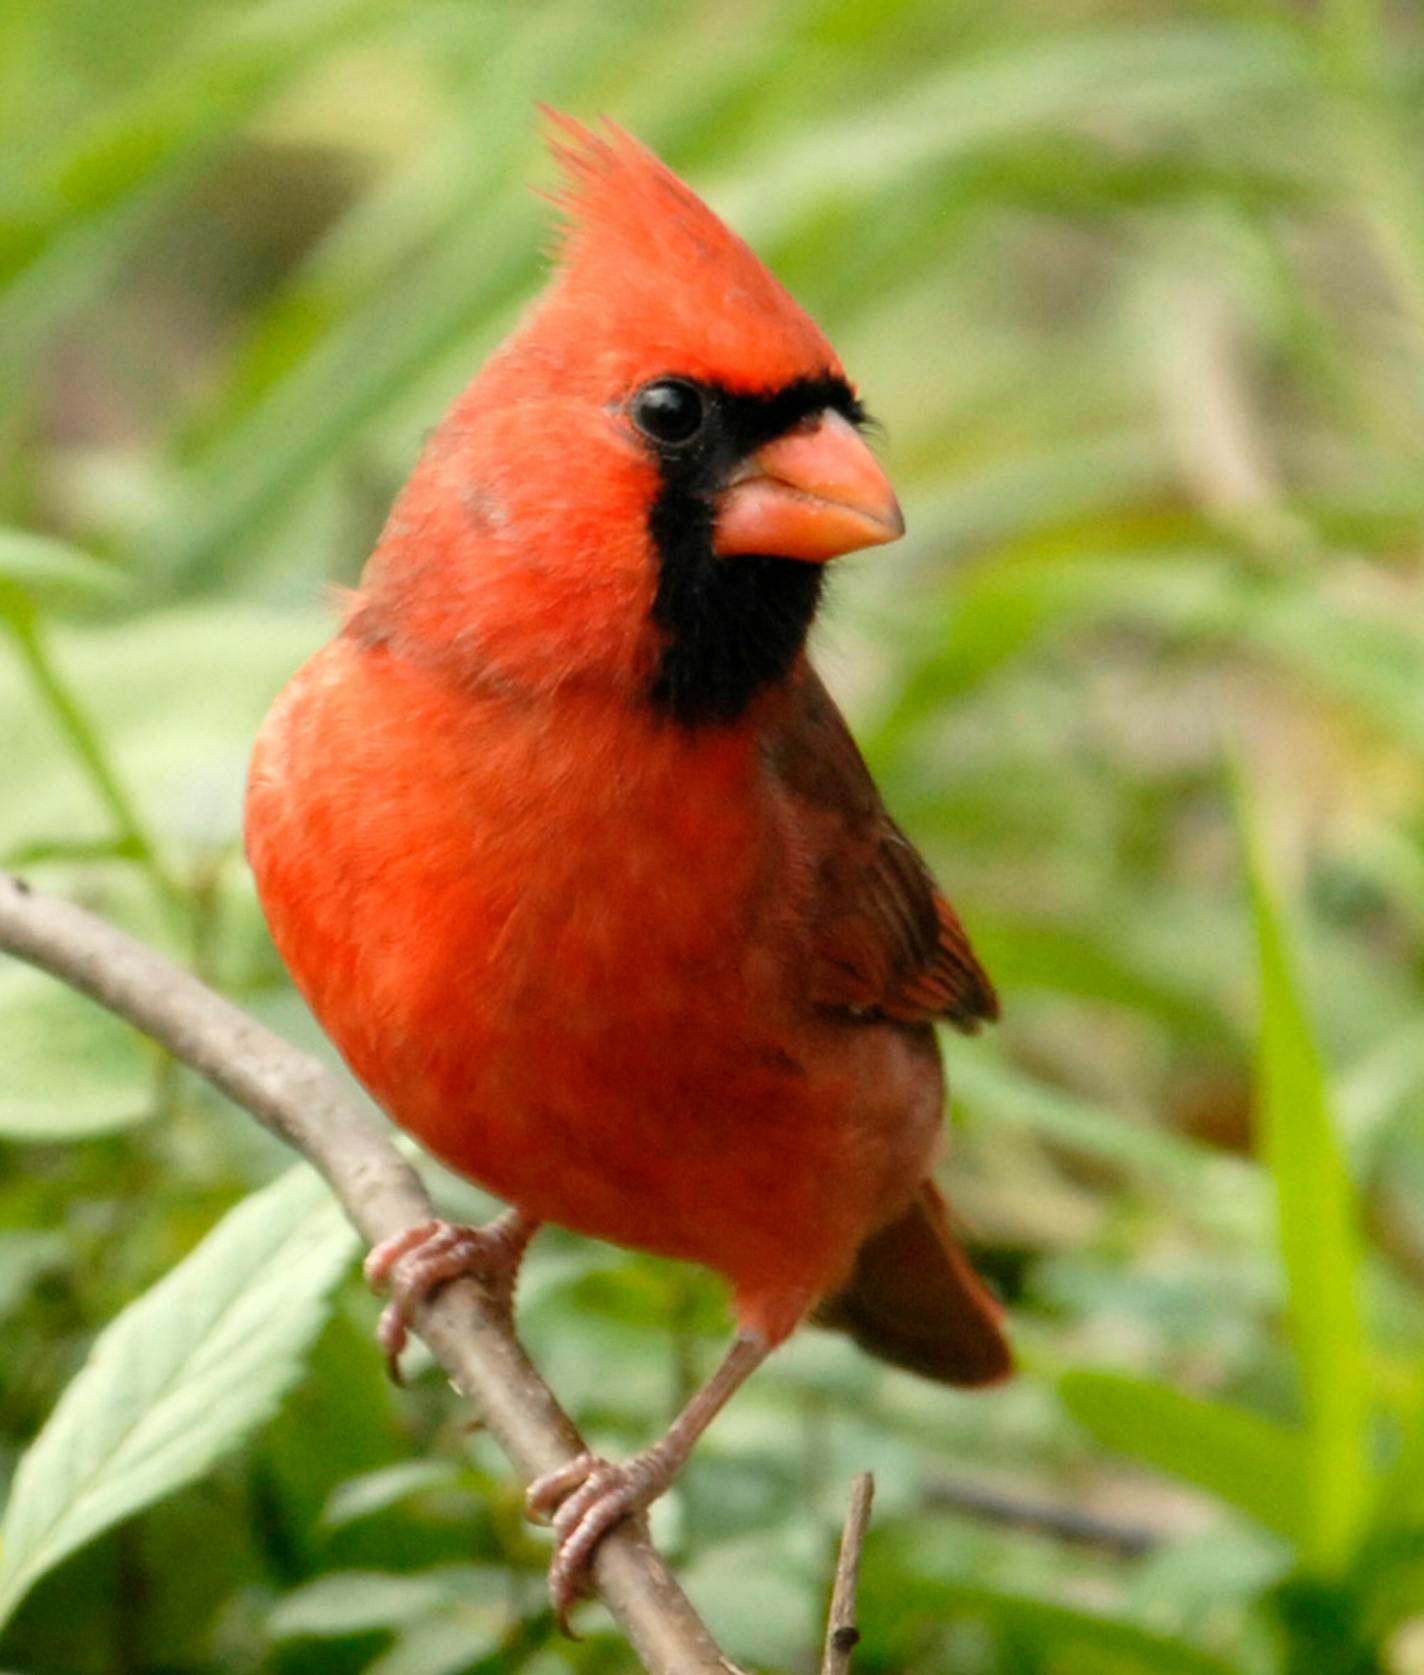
545 1493
383 1257
580 1524
601 1481
584 1499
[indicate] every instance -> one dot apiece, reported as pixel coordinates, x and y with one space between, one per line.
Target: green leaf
982 1079
1099 963
1318 1230
442 1646
345 1602
26 1255
345 383
72 1069
1245 1460
50 572
753 1594
174 738
1080 1639
979 99
181 1377
1114 1645
85 740
96 181
52 1119
374 1491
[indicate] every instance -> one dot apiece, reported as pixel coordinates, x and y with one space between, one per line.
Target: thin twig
302 1103
842 1636
73 721
1062 1523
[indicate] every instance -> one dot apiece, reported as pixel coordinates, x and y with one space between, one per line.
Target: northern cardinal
574 857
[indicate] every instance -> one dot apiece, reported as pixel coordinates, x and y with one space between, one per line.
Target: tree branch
295 1097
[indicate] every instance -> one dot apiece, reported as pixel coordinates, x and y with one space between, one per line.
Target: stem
1060 1523
80 733
842 1636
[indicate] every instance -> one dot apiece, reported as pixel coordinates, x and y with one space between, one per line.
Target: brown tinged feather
913 1300
886 942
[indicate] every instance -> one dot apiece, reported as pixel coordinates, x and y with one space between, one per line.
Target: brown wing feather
886 941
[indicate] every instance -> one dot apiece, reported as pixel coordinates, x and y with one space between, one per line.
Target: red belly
576 983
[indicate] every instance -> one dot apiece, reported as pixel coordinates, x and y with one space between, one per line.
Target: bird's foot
413 1265
583 1500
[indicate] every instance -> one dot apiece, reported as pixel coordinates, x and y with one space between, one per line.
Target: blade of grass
1318 1227
1204 1182
1245 1460
102 182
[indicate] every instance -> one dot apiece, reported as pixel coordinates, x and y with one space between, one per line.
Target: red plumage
667 981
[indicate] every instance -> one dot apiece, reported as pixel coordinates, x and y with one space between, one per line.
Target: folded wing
886 944
885 940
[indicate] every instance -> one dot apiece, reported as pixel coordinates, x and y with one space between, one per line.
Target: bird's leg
416 1263
589 1495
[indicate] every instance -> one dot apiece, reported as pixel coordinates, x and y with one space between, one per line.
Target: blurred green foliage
1138 288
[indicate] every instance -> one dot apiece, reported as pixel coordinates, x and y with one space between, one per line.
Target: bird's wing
885 942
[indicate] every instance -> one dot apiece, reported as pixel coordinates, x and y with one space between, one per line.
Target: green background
1138 292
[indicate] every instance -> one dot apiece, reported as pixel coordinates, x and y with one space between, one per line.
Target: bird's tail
913 1300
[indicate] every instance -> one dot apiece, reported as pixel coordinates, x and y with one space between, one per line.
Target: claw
417 1262
584 1499
391 1337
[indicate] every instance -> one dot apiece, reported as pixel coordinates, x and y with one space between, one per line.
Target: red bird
575 859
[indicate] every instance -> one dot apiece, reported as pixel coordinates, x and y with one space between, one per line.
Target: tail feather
913 1300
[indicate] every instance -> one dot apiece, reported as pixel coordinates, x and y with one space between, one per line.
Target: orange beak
813 494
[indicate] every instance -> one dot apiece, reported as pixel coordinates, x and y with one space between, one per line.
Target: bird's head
646 478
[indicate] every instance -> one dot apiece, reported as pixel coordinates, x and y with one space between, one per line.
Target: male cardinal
574 857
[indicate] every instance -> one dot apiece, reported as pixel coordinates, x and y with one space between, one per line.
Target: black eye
669 410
